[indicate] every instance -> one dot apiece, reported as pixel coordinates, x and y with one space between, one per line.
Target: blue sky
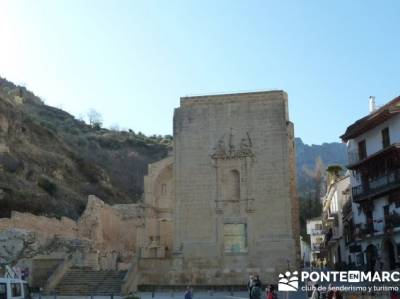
133 60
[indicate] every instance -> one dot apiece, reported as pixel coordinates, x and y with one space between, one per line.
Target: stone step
84 281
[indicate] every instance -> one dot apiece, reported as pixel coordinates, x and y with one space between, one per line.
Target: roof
372 120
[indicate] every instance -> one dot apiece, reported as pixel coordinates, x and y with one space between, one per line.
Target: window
385 138
235 240
15 289
3 291
362 150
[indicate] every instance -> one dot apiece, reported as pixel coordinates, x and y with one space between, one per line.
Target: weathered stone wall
112 229
104 238
218 139
156 236
41 224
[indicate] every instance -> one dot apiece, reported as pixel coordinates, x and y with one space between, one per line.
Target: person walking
255 292
271 294
315 293
257 281
188 293
250 285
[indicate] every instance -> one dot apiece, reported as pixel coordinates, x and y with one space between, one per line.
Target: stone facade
232 194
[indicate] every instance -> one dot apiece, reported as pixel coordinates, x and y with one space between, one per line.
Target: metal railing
392 221
316 247
353 157
377 185
316 231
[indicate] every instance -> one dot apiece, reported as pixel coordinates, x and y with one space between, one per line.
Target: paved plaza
180 295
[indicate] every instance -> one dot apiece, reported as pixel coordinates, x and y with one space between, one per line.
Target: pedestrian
255 292
257 281
271 294
250 285
315 293
188 293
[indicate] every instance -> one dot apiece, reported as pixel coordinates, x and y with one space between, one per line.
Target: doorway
389 259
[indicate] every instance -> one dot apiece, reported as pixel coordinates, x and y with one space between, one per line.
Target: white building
305 251
373 144
314 229
333 220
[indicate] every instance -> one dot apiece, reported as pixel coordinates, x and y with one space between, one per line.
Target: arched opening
232 186
388 255
371 254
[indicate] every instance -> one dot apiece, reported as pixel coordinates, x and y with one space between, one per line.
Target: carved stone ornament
234 152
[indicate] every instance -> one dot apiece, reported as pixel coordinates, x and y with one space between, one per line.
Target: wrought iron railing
363 230
316 247
353 157
392 221
316 231
377 185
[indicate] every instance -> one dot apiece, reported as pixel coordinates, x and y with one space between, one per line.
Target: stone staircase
84 281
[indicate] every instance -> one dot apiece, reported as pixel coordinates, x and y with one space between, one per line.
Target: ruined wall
156 237
112 229
104 237
41 224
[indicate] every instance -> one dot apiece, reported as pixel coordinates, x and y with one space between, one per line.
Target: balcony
353 157
362 231
316 247
386 155
316 232
377 186
392 221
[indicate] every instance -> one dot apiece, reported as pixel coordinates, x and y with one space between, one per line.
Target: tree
95 119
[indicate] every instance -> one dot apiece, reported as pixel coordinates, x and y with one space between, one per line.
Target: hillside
50 161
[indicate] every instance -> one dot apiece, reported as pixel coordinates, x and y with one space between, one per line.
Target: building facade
333 221
227 196
373 144
314 230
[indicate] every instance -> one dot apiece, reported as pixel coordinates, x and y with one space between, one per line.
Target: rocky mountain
313 158
50 161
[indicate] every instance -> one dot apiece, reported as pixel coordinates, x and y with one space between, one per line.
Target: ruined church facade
224 205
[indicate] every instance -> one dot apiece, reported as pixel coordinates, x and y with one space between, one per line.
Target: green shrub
81 141
10 164
47 185
88 169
